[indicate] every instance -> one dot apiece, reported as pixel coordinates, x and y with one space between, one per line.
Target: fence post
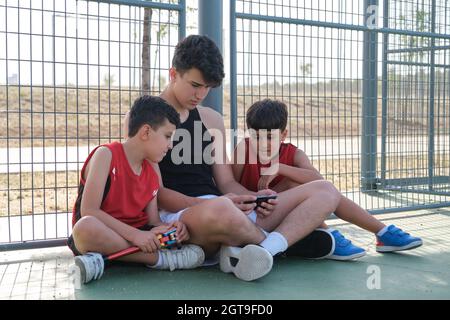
384 92
210 24
233 72
369 101
431 128
182 20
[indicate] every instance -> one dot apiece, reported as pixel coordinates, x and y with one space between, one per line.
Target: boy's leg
219 222
389 239
347 210
343 248
300 210
351 212
93 239
92 235
287 184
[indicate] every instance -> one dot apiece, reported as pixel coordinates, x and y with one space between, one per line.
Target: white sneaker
188 257
253 261
91 266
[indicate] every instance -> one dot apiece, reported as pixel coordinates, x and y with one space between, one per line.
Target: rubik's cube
168 240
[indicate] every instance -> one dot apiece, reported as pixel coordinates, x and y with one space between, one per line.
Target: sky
85 43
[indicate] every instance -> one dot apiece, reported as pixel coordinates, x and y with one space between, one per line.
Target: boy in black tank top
226 223
193 177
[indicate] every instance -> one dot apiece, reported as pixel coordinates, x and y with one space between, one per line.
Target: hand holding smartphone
261 199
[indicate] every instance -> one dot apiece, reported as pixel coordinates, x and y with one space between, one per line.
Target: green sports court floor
423 273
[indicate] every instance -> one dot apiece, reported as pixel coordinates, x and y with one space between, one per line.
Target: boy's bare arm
96 175
171 200
153 214
302 171
126 121
237 165
223 175
154 219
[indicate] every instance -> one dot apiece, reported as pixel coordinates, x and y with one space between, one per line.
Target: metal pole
210 24
343 26
369 104
182 20
384 92
233 73
431 101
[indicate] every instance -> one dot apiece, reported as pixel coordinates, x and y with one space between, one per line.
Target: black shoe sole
316 245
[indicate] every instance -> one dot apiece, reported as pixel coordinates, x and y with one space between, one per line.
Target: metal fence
367 84
69 72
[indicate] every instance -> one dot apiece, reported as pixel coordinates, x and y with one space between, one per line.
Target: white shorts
168 217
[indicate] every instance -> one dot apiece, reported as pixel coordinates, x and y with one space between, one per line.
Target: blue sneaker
395 239
344 249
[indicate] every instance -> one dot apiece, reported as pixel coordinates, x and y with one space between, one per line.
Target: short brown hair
267 114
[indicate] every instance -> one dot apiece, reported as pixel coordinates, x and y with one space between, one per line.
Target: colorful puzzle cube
168 240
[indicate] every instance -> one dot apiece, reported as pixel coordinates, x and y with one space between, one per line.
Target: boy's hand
182 231
266 208
267 174
146 241
161 229
264 181
239 202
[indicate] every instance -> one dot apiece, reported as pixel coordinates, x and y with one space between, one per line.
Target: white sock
159 264
264 231
275 243
382 231
330 229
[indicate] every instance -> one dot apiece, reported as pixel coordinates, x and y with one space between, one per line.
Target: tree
161 34
148 79
146 39
305 69
108 80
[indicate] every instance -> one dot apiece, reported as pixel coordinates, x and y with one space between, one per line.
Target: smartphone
260 199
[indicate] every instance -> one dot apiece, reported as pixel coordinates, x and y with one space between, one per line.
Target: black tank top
187 167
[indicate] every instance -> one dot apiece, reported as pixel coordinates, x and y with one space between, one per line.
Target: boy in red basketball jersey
116 205
268 162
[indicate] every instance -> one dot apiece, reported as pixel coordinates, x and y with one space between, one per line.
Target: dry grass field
37 193
77 116
50 117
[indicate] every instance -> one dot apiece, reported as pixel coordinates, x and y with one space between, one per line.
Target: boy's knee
85 228
328 191
225 203
222 216
221 205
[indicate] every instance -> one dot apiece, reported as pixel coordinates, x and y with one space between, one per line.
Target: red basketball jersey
126 194
252 171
